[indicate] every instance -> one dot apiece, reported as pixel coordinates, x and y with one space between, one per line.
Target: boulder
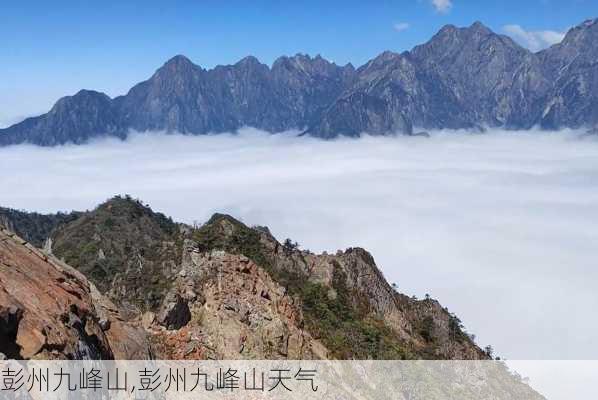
175 312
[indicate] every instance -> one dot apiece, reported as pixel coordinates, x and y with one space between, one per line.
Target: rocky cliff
49 310
461 78
222 290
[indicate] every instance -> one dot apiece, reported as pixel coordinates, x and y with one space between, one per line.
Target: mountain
185 98
572 66
224 290
50 311
461 78
73 119
491 79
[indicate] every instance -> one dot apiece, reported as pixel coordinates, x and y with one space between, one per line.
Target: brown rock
47 310
243 314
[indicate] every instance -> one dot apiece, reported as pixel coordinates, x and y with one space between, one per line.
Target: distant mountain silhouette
461 78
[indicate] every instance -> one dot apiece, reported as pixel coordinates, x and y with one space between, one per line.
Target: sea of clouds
501 227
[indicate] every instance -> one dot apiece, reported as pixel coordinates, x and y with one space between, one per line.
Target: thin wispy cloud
442 6
533 40
401 26
500 227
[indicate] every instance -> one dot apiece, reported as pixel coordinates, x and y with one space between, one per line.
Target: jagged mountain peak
177 66
84 94
349 66
450 38
388 55
579 47
123 202
463 77
126 227
571 66
82 98
383 59
132 211
589 23
585 33
247 65
303 62
306 57
249 60
179 61
447 29
478 26
450 30
90 93
218 218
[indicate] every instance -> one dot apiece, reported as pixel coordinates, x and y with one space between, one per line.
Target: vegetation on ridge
32 226
125 247
337 316
133 254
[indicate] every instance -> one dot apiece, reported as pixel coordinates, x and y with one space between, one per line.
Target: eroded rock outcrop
350 284
241 312
48 311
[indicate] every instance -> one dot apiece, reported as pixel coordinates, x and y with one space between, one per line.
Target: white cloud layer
401 26
533 40
442 6
501 227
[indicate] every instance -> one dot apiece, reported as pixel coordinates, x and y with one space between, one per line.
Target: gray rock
571 65
461 78
104 324
175 312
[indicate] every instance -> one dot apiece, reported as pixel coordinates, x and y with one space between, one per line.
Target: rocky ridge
226 290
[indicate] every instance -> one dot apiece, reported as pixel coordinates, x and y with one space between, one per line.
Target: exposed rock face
241 313
128 340
461 78
348 282
573 67
47 310
488 77
175 312
223 290
357 270
182 97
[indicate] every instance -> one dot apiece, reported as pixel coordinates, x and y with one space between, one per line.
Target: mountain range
462 78
124 281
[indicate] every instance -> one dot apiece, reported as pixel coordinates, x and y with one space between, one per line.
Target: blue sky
52 49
